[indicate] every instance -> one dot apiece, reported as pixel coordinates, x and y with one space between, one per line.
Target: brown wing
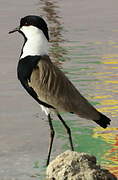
54 88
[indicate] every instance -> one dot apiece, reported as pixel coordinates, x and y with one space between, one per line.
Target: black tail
104 121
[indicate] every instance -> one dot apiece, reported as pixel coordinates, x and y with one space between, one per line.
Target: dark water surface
84 43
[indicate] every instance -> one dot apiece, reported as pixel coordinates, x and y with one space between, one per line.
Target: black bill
14 30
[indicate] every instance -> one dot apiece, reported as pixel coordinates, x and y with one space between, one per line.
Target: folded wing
53 87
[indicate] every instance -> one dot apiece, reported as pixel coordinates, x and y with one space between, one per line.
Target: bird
47 83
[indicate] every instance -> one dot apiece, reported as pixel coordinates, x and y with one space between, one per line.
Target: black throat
25 40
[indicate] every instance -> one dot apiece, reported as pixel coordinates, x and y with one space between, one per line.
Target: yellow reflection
110 59
108 79
112 42
102 73
107 135
112 82
108 99
109 102
111 62
102 97
98 42
110 136
107 109
114 67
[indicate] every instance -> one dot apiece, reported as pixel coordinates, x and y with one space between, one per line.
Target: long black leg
52 133
68 131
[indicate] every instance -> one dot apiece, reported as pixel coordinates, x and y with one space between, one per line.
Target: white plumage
36 43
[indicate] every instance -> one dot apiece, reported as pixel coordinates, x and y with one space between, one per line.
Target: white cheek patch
36 43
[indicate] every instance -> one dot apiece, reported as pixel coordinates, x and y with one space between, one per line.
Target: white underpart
48 110
36 43
45 109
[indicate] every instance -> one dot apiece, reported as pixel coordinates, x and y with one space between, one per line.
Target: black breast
24 70
26 66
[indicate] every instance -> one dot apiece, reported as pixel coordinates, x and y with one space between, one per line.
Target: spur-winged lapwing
46 83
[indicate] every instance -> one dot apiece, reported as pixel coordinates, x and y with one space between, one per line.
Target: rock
72 165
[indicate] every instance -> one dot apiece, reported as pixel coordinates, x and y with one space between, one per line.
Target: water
84 44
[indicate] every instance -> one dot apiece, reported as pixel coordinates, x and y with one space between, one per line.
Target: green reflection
49 10
91 71
82 139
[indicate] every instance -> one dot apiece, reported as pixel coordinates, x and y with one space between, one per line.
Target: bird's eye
26 24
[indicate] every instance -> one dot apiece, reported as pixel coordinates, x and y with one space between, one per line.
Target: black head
33 20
